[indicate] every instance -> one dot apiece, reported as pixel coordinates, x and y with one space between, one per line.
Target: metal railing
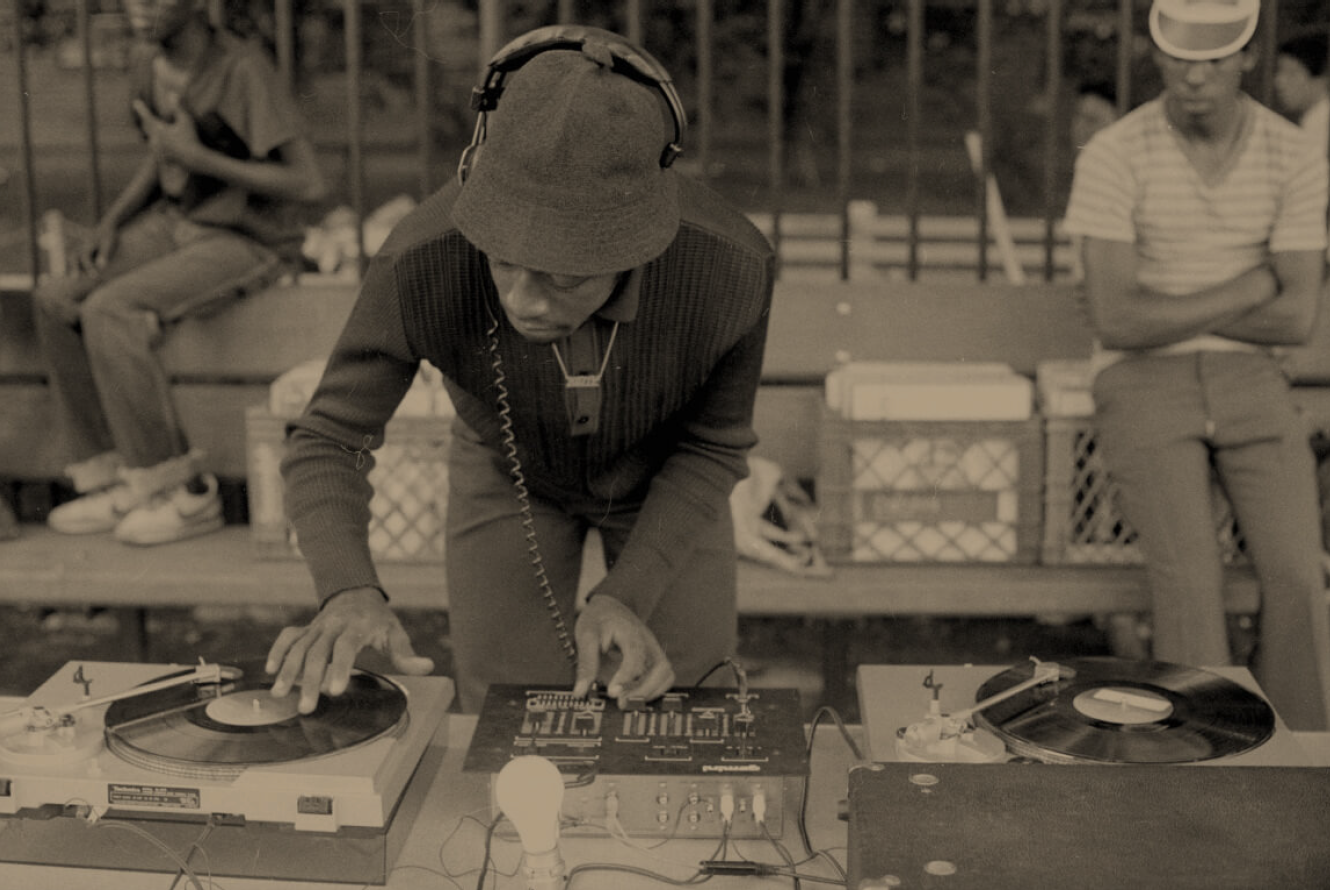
988 231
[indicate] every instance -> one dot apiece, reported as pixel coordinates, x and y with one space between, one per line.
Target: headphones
628 60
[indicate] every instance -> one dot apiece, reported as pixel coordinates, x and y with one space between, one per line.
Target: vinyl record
1115 710
218 729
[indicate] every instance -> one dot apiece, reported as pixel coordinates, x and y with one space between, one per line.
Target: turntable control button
314 805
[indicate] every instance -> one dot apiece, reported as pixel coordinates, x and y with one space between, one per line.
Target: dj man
599 321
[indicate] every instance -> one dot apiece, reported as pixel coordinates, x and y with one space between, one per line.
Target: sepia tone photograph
543 444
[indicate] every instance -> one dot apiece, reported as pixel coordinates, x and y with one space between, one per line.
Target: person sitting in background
1302 88
599 321
1096 107
1203 215
210 214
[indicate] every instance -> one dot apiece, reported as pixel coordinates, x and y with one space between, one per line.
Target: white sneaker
100 511
173 516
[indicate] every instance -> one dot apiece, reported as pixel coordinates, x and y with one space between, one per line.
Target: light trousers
99 331
1165 425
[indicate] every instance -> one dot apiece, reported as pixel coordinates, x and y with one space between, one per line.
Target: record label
1122 705
213 729
1116 710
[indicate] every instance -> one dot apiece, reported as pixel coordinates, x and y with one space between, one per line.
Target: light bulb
529 791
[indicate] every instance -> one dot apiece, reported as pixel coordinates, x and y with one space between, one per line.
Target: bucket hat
568 180
1201 30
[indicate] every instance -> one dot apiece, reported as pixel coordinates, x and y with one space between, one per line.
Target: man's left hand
644 670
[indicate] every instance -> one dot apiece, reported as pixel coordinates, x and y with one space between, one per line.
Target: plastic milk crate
1082 522
930 490
410 479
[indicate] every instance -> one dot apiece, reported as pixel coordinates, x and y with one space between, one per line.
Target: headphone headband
628 60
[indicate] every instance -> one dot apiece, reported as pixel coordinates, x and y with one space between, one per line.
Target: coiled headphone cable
523 495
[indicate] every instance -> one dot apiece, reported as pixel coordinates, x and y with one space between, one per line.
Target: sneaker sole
180 533
83 528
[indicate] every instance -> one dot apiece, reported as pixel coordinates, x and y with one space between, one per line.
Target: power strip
686 764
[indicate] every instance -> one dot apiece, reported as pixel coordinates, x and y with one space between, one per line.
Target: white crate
410 479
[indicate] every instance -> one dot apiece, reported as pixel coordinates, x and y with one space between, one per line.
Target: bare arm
1287 319
1126 315
137 193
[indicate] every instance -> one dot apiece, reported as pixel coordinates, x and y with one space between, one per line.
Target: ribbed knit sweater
678 391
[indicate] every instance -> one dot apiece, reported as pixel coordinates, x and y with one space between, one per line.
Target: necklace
581 392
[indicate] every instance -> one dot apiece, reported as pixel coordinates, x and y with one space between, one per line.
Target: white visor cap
1201 30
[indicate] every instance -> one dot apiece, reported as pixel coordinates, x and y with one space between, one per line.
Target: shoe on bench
173 515
94 513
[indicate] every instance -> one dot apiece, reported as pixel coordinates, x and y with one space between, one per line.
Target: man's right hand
98 250
320 656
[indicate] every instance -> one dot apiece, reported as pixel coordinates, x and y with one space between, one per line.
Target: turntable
203 761
1094 774
1111 710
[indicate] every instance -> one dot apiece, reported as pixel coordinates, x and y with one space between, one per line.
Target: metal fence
887 118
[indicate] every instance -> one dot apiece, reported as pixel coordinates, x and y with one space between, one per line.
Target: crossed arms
1274 304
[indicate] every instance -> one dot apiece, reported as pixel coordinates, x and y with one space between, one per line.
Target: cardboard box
929 391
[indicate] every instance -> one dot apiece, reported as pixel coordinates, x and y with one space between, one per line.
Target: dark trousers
500 626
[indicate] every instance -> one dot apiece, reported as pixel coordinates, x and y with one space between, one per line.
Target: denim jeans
499 624
99 331
1165 424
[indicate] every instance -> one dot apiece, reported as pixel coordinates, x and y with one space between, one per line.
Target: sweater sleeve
329 448
694 484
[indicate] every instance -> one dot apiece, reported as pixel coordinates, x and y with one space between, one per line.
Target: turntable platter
225 726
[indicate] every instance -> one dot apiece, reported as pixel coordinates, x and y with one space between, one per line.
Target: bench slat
814 328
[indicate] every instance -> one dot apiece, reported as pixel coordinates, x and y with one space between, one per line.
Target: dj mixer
685 764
